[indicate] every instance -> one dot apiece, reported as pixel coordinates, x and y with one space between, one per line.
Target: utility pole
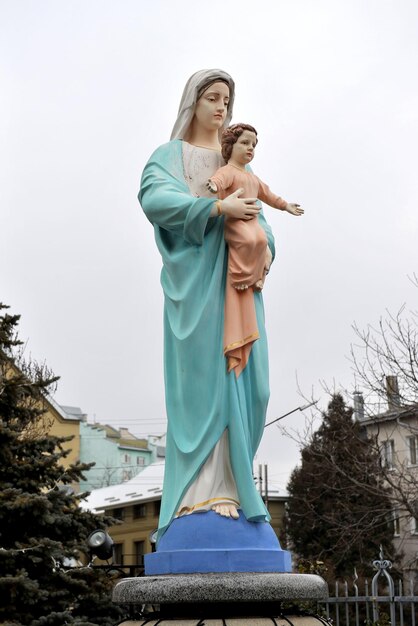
260 479
263 482
266 486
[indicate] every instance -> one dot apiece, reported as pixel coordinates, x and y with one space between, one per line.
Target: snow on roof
147 485
62 410
73 410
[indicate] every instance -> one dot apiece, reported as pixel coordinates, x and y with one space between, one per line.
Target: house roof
73 411
126 441
70 417
145 486
134 444
402 413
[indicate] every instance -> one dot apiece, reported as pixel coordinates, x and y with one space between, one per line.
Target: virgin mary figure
215 418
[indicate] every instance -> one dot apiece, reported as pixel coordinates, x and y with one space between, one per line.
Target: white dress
215 482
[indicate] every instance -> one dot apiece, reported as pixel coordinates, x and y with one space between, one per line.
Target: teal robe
202 399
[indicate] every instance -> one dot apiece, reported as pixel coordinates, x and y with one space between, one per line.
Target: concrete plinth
239 598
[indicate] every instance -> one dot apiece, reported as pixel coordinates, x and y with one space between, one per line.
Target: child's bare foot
242 287
259 285
226 510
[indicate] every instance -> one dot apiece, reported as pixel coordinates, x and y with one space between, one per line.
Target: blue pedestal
208 542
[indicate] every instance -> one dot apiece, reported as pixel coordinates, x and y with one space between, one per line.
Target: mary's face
212 106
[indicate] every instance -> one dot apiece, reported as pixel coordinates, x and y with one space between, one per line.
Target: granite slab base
189 598
215 588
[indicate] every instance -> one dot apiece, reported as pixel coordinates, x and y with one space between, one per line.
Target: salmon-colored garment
247 243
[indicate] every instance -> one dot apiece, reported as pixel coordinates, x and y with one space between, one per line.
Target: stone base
236 598
219 588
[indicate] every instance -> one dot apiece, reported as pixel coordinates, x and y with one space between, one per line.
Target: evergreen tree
42 527
331 518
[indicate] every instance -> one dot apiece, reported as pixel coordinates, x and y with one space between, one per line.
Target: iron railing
390 606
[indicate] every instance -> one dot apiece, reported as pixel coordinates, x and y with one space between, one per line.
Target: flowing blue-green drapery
202 399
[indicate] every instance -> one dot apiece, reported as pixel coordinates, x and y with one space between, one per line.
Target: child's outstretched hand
211 186
294 209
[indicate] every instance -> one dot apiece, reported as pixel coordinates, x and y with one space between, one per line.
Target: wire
299 408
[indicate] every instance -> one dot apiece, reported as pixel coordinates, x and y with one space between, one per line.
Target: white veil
190 95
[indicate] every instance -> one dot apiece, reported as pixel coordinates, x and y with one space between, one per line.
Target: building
395 431
136 504
60 424
57 422
118 455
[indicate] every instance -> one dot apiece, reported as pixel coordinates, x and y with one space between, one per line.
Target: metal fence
392 604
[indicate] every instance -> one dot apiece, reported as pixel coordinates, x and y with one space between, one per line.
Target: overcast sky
89 88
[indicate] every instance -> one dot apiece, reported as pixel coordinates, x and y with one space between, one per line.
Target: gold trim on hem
242 342
189 509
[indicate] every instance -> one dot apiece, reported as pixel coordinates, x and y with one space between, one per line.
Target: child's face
243 149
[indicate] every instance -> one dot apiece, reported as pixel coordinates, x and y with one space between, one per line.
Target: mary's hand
240 208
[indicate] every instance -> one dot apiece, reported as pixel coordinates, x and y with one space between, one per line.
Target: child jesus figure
246 239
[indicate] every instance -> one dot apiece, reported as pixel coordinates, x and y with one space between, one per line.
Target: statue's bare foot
241 287
259 285
226 510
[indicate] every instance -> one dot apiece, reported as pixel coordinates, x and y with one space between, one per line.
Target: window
412 450
118 553
117 513
126 458
388 453
414 517
395 521
139 552
157 507
140 460
140 510
126 475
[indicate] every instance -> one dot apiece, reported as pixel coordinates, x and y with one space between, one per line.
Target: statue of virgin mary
215 418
